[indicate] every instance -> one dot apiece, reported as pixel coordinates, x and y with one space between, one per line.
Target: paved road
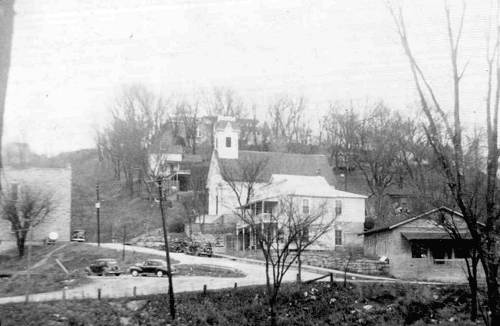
124 285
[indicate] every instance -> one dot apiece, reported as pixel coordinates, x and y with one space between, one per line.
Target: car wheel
134 273
117 274
159 274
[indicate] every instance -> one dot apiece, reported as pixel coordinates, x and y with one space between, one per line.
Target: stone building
57 182
421 248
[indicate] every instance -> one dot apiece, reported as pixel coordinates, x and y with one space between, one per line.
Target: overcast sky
70 57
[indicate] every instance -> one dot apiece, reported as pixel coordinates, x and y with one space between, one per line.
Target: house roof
396 225
431 235
222 124
293 185
277 163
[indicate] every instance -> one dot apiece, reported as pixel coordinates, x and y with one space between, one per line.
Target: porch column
235 243
243 233
251 237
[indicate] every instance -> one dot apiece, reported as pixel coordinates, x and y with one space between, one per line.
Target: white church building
272 175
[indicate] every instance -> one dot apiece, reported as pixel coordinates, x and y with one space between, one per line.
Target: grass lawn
48 276
316 304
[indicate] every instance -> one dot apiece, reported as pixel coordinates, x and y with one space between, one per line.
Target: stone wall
339 260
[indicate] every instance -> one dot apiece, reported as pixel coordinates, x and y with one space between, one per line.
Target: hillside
118 208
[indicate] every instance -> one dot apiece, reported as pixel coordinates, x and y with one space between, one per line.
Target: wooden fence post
204 289
235 285
99 294
331 278
135 291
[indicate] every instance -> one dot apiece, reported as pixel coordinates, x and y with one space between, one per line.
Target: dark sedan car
156 267
104 266
199 249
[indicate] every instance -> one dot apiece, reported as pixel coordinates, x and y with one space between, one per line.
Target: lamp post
167 251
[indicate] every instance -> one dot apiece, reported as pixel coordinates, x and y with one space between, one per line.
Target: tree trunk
299 265
473 299
20 239
6 29
272 310
493 294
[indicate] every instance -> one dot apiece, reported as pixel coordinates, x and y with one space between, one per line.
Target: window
462 250
14 188
418 250
228 142
338 207
305 206
338 237
304 234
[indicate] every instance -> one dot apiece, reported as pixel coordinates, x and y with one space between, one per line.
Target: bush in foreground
316 304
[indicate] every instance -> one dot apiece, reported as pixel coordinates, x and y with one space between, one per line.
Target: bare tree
25 207
188 114
457 231
138 120
226 102
288 127
341 127
288 232
244 178
368 143
6 30
445 135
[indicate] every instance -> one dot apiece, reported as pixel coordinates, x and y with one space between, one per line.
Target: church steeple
226 137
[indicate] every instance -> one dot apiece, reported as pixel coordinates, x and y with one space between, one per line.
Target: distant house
231 166
420 248
56 181
168 159
307 193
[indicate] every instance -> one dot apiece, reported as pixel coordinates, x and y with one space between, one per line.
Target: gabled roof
393 226
277 163
223 124
292 185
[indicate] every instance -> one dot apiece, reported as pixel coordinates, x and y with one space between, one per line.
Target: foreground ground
47 275
197 272
315 304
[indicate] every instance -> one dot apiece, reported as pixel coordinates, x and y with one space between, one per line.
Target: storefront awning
432 236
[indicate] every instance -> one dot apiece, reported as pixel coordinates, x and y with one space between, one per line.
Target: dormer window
228 142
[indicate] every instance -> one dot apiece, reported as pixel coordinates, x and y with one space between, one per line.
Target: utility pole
124 239
167 250
97 207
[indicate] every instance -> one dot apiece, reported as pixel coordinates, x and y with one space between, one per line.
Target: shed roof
433 235
396 225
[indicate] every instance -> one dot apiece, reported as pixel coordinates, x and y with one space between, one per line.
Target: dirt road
122 286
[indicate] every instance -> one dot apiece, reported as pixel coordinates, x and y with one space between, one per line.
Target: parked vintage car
156 267
78 235
103 267
199 249
178 246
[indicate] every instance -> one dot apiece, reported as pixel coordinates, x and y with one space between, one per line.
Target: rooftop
277 163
